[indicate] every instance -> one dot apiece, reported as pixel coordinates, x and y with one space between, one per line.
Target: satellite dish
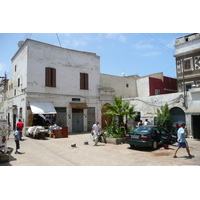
123 74
20 43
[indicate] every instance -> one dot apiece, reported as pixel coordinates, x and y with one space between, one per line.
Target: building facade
65 86
59 84
187 54
155 84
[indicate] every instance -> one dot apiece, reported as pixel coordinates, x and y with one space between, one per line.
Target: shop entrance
196 126
77 120
61 119
90 118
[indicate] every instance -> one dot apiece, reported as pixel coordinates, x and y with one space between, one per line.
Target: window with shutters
84 81
188 64
50 77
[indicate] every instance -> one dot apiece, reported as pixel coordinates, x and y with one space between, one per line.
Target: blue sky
131 53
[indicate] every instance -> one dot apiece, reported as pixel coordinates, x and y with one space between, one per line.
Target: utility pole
184 88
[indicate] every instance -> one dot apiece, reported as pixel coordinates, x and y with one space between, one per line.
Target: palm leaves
118 111
164 118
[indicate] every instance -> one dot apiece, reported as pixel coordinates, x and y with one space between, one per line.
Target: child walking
17 138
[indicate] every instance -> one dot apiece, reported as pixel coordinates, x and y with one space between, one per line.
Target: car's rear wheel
154 145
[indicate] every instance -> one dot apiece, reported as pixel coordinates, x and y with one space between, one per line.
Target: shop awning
193 108
79 105
42 108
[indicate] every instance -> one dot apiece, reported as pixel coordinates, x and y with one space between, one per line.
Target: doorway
196 126
90 118
77 120
177 115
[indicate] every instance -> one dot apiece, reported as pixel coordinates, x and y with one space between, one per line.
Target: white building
51 80
67 87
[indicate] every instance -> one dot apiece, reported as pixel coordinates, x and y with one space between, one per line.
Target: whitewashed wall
119 84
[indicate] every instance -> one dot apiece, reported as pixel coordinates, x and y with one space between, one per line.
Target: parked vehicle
150 136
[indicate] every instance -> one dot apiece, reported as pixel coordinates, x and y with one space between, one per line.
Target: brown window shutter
82 78
86 81
48 76
53 75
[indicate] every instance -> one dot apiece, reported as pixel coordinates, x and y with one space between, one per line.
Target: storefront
41 113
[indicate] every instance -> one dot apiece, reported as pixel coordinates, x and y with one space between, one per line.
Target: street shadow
99 145
23 140
186 157
7 163
20 153
144 149
78 133
12 158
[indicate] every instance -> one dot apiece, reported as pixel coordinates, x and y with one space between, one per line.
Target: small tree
164 118
118 111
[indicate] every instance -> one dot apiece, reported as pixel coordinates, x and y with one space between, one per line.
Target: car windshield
142 129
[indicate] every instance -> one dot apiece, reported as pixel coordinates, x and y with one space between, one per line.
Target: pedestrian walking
17 138
182 143
96 128
9 129
20 125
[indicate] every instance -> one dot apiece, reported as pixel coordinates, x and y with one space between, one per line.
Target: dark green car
149 136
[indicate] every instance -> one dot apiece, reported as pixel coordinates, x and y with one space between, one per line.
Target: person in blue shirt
17 138
182 143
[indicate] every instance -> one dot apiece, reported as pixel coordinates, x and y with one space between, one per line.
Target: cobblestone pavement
58 152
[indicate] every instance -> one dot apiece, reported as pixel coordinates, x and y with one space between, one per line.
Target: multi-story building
184 105
66 86
59 84
187 54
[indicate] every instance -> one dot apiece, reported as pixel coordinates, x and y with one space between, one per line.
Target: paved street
58 152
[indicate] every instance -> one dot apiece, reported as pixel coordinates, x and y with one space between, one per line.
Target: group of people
181 133
146 122
96 128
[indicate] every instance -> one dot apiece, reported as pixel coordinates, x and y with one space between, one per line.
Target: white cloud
152 53
116 36
77 40
122 38
141 45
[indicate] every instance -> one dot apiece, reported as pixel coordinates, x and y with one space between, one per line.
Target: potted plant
163 118
119 112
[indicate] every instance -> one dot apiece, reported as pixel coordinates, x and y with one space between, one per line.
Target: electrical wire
58 39
155 41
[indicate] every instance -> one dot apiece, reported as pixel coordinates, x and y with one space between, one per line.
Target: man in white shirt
96 128
146 122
